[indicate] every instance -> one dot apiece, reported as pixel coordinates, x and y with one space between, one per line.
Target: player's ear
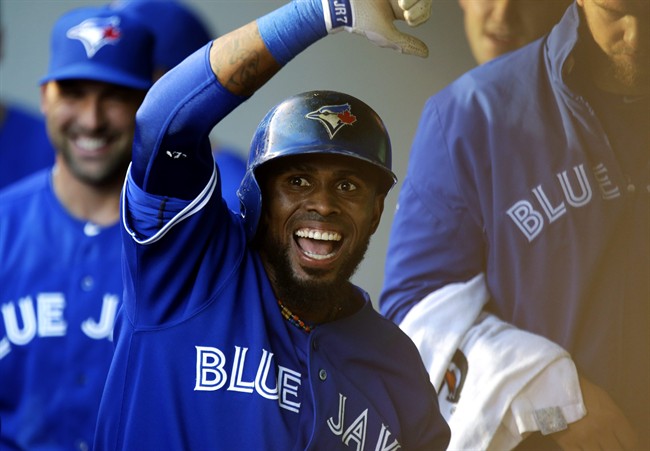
43 97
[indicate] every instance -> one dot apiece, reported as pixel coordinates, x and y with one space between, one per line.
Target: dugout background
395 85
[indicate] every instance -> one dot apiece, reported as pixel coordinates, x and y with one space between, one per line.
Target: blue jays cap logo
96 33
333 117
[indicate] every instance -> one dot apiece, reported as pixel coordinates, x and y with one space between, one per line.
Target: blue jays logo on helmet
333 117
95 33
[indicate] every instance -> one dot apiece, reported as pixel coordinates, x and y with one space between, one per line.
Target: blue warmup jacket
204 359
512 173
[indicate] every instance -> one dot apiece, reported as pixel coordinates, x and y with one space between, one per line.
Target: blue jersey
60 287
24 145
514 173
204 358
232 168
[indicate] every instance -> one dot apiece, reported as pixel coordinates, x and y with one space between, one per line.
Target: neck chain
294 319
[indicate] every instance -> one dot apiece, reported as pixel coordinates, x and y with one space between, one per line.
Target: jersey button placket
322 373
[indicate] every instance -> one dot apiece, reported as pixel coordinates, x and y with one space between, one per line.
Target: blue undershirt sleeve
172 154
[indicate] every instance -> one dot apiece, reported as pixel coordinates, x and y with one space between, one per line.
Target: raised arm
172 155
247 58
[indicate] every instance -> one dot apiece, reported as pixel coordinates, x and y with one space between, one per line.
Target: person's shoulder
29 187
388 331
489 85
506 68
19 114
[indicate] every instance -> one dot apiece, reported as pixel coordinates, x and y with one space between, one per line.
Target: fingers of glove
373 19
416 12
399 41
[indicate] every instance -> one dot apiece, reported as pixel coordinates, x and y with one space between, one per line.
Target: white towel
512 375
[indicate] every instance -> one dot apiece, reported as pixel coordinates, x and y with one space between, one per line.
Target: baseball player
243 331
60 245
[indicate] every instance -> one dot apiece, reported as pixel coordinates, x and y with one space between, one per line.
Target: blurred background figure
60 276
24 147
521 241
179 31
495 27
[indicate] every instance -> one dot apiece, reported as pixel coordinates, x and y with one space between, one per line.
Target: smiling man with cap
59 234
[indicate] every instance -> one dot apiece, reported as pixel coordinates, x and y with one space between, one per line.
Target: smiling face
91 126
494 27
319 212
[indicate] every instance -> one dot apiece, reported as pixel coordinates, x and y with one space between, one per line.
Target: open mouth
318 244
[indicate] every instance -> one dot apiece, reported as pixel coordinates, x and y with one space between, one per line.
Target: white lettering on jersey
288 384
530 220
607 188
48 320
236 382
382 443
356 431
15 334
337 428
103 328
552 213
576 200
262 376
211 375
50 308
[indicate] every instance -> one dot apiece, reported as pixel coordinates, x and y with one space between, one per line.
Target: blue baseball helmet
315 122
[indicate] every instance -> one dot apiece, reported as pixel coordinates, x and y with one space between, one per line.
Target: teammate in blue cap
59 235
243 331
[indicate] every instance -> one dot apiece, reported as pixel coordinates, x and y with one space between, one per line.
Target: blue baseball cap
101 44
179 31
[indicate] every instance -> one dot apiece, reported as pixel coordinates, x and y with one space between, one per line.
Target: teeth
90 143
318 235
319 256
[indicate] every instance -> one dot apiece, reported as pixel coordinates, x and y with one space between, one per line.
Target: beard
314 293
621 74
111 173
628 75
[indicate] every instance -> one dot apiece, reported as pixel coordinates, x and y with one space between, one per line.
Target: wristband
289 30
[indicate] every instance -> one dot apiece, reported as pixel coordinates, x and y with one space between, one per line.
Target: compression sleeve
172 155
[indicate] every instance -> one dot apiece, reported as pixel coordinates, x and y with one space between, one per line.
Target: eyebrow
313 167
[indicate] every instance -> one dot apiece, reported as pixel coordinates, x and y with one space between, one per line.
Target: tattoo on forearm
241 64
